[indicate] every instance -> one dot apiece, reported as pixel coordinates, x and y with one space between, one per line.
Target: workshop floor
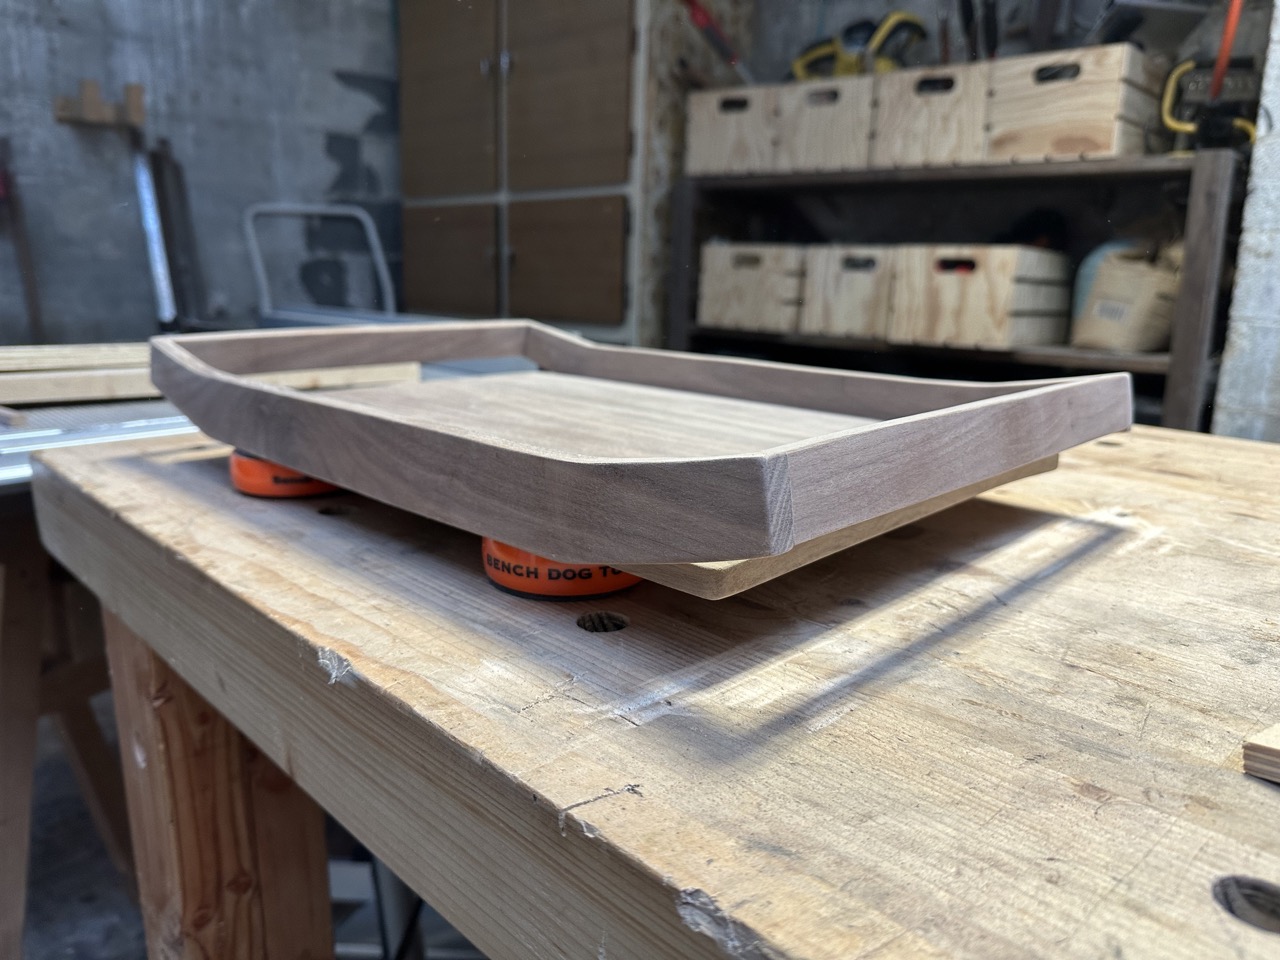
77 904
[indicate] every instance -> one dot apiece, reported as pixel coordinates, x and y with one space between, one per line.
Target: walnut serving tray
707 473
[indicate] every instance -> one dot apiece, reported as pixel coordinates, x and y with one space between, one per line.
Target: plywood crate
824 125
848 291
931 116
997 297
1089 102
751 286
731 131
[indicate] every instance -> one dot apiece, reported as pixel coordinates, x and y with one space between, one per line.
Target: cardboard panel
568 260
569 93
450 260
448 97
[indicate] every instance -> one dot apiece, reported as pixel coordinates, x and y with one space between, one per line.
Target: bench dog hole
1256 902
603 621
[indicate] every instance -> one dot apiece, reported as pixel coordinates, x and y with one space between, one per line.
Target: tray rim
780 496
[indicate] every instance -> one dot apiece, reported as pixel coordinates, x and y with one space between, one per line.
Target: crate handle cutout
928 85
956 265
746 260
858 263
822 98
1057 72
734 104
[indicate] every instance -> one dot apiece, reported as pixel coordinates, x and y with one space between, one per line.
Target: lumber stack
71 373
82 372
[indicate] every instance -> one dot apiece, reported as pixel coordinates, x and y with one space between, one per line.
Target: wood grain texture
572 417
848 291
24 627
732 131
450 260
72 356
930 116
521 484
448 97
74 386
751 286
1010 297
71 386
568 259
568 93
207 833
824 125
1011 729
1038 112
716 581
1262 754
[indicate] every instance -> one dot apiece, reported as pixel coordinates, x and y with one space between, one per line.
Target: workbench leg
24 612
98 775
229 851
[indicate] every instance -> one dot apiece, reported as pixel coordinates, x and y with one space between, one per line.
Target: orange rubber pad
262 478
529 575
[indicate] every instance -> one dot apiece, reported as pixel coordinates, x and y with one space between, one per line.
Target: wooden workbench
1010 730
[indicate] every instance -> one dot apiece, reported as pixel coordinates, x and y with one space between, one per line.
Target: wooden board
1262 754
732 131
78 386
568 260
448 97
751 286
572 470
1071 104
74 386
930 116
1011 729
991 296
72 356
569 93
824 125
848 291
451 260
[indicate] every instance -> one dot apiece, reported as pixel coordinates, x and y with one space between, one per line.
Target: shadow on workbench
876 614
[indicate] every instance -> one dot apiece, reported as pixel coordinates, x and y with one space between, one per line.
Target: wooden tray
632 457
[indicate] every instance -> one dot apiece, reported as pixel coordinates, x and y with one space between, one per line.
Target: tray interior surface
586 418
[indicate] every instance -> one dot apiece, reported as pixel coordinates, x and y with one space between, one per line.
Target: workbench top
1012 729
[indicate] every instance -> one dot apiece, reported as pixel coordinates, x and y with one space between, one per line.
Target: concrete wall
261 100
1248 399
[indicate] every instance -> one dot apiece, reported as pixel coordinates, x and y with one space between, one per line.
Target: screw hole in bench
603 621
1254 901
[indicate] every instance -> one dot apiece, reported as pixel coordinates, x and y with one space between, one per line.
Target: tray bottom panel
564 415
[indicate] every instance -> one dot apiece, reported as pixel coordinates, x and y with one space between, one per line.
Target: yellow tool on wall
864 46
